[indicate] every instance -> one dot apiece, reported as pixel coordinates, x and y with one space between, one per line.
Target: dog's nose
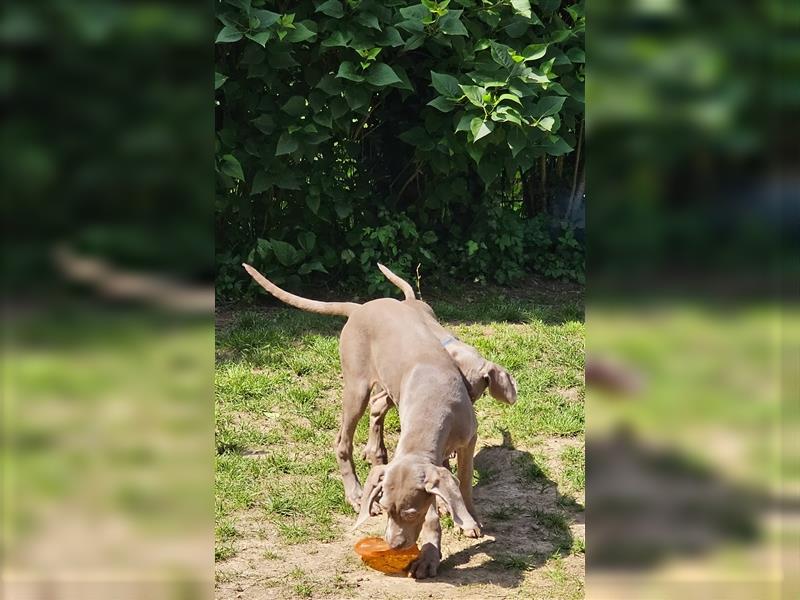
397 542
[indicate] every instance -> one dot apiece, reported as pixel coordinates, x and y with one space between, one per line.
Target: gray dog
398 346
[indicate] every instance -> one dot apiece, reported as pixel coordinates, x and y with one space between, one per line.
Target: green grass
278 403
573 467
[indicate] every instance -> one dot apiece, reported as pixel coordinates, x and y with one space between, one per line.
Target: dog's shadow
522 510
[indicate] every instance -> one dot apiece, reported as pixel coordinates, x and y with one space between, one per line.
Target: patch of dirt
572 394
510 561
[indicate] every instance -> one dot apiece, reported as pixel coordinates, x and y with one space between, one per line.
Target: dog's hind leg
375 449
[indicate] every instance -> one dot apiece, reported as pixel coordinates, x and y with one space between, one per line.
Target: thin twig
577 166
360 128
414 175
419 277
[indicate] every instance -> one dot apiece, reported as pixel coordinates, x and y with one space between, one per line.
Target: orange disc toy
376 553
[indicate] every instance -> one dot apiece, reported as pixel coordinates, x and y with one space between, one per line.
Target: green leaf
284 252
576 11
381 74
356 97
534 51
391 37
260 38
446 85
412 26
546 124
307 240
243 4
315 265
261 183
295 106
489 170
576 55
228 34
267 18
343 208
476 151
232 167
312 201
522 7
219 79
287 181
548 105
339 107
507 113
332 8
487 80
474 94
516 141
463 123
416 136
302 32
323 118
286 145
265 123
338 38
281 60
442 104
510 97
480 128
450 24
263 246
557 146
406 82
415 13
330 85
501 54
368 20
347 70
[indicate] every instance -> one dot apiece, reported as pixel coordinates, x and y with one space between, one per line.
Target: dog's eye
409 514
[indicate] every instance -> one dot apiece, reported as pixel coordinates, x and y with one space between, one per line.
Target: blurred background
107 172
693 326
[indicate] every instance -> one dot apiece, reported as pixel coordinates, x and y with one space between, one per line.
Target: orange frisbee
375 553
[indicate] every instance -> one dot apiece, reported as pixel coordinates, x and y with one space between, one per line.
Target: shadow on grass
525 514
653 503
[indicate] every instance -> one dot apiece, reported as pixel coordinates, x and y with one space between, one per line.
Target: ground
282 524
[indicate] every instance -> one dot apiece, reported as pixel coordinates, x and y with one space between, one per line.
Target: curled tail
324 308
404 286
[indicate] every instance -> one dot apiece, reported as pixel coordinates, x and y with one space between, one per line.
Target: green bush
433 134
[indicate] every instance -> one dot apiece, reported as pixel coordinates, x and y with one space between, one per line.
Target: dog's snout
395 536
397 543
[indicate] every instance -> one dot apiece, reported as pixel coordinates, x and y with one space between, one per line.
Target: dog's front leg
465 468
427 563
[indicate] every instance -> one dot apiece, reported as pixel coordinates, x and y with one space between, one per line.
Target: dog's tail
404 286
324 308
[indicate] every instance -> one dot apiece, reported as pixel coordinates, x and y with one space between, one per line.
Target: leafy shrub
410 133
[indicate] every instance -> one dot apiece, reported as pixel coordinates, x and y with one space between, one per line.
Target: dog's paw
473 532
426 564
354 500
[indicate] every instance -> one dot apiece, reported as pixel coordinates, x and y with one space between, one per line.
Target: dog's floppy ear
373 487
440 481
501 384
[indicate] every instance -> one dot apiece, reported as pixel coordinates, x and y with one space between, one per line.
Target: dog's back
395 338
